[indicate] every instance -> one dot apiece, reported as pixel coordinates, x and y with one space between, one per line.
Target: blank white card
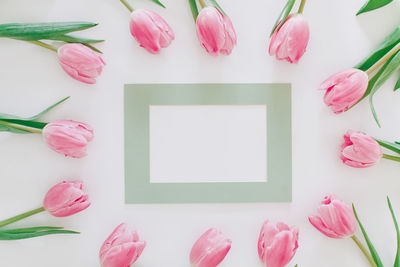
208 143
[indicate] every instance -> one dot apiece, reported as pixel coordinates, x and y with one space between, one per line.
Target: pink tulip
334 219
344 89
360 150
210 249
150 30
66 198
277 244
215 31
122 248
68 137
80 62
290 41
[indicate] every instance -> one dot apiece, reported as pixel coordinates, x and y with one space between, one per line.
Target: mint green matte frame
277 98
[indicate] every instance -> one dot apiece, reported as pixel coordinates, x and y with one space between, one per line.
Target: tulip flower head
290 41
334 218
66 198
344 89
215 31
210 249
150 30
122 248
360 150
68 137
80 62
277 244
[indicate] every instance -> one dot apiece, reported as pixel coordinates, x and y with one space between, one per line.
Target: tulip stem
383 59
202 3
42 44
21 216
21 127
127 5
364 250
386 156
301 7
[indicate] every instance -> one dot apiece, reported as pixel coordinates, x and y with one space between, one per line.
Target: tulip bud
68 137
66 198
344 89
334 218
289 42
278 244
210 249
150 30
360 150
215 31
122 248
80 62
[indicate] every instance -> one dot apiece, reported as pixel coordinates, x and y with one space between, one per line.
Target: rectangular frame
139 97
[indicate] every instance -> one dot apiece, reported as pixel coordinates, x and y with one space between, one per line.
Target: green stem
301 7
21 127
383 59
42 44
394 158
202 3
21 216
127 5
363 250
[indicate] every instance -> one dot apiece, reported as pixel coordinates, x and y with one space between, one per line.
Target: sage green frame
277 98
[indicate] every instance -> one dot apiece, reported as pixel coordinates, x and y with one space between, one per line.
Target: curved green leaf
395 147
28 123
214 2
382 76
194 9
371 247
41 31
396 225
390 41
372 5
283 16
397 86
24 233
158 3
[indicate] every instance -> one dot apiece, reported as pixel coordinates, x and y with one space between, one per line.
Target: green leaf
41 31
382 76
23 233
397 86
74 39
390 41
396 225
395 147
158 3
372 5
7 128
194 9
214 2
35 117
28 123
371 248
283 16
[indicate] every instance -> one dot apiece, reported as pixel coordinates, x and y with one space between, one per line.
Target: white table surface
30 79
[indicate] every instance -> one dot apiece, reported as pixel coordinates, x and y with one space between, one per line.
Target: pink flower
150 30
344 89
66 198
81 62
334 219
210 249
277 244
360 150
122 248
215 31
289 42
68 137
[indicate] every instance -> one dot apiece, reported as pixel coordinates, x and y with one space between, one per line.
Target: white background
208 143
31 79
